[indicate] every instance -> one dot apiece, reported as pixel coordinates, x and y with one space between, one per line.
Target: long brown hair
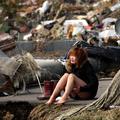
81 57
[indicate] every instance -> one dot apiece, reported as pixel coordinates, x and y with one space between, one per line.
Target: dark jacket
87 74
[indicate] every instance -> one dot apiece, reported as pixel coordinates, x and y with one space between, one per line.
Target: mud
26 111
15 110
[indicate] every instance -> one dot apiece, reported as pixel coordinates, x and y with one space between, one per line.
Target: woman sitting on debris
79 82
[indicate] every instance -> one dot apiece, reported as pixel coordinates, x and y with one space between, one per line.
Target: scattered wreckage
23 70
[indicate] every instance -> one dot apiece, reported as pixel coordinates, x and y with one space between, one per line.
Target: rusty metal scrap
6 42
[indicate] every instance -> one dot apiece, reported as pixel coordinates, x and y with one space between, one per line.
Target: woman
79 81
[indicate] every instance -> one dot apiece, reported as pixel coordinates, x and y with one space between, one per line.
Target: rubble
70 20
66 20
7 42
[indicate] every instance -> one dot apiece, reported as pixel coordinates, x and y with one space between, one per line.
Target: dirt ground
15 111
21 111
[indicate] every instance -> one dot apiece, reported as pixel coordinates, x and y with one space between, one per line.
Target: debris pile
44 20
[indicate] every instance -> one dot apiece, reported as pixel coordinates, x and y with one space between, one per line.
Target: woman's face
72 59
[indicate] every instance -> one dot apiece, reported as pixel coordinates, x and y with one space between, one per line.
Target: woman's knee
71 76
66 74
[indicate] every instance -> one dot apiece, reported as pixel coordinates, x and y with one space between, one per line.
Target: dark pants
87 92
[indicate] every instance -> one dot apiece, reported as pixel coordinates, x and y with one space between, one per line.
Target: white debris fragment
115 7
118 42
107 33
46 5
107 21
27 37
78 25
38 27
58 98
114 106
